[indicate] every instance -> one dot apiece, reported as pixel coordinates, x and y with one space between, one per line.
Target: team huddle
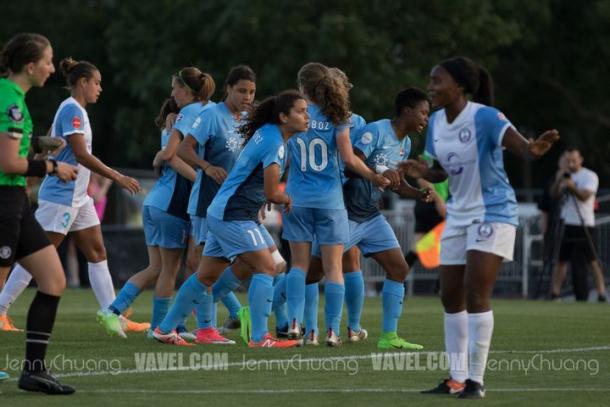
222 163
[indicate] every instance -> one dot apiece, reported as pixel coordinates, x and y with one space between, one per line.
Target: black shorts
575 242
20 233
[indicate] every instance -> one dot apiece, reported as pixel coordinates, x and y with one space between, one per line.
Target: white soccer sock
480 329
101 283
16 283
456 344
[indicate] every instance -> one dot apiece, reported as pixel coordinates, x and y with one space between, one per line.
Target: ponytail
473 78
327 90
21 50
75 70
200 84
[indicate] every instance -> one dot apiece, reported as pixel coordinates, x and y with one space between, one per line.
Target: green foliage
547 56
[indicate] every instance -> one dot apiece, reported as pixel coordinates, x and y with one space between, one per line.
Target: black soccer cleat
472 390
43 382
447 386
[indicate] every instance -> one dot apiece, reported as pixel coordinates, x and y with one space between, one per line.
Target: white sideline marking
358 390
334 358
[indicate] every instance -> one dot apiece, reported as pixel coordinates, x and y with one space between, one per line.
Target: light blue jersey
71 118
381 148
315 174
217 133
470 151
170 192
242 194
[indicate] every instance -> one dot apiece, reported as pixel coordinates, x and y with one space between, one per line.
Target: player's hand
288 205
381 182
66 172
218 174
569 184
394 177
426 195
413 168
157 161
130 184
544 142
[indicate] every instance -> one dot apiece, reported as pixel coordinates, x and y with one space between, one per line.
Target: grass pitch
543 353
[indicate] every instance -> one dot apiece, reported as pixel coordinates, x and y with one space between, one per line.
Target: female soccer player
164 214
466 138
26 61
382 145
212 146
233 216
314 184
65 207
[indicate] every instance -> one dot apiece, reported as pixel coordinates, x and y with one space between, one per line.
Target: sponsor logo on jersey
366 138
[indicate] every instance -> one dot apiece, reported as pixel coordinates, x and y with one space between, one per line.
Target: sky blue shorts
229 239
372 236
327 226
164 230
199 229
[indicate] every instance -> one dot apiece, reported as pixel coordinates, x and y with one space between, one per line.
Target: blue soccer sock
223 290
334 293
126 297
312 298
159 310
295 294
279 307
260 298
191 293
232 303
392 295
354 298
205 310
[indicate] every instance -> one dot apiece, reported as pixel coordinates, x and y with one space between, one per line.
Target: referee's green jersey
16 121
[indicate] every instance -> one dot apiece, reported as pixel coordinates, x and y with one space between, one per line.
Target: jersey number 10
308 154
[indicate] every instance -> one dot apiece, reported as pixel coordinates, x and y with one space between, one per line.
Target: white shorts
495 238
64 219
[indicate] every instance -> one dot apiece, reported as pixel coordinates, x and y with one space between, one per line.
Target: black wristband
54 170
36 168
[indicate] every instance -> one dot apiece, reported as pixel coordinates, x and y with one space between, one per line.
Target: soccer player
65 207
26 61
467 138
382 145
166 222
234 229
314 184
212 146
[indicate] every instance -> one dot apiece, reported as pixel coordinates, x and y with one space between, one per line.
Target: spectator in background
576 189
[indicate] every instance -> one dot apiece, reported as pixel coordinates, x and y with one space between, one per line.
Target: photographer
576 188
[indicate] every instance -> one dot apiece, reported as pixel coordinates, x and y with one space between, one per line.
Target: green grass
521 329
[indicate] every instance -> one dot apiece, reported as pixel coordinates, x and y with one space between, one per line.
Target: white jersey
584 179
71 118
470 150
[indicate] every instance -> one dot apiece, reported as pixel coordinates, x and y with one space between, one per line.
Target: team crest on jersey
5 252
465 135
15 113
366 138
76 122
485 230
281 152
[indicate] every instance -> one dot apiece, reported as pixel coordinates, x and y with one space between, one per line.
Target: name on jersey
317 125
